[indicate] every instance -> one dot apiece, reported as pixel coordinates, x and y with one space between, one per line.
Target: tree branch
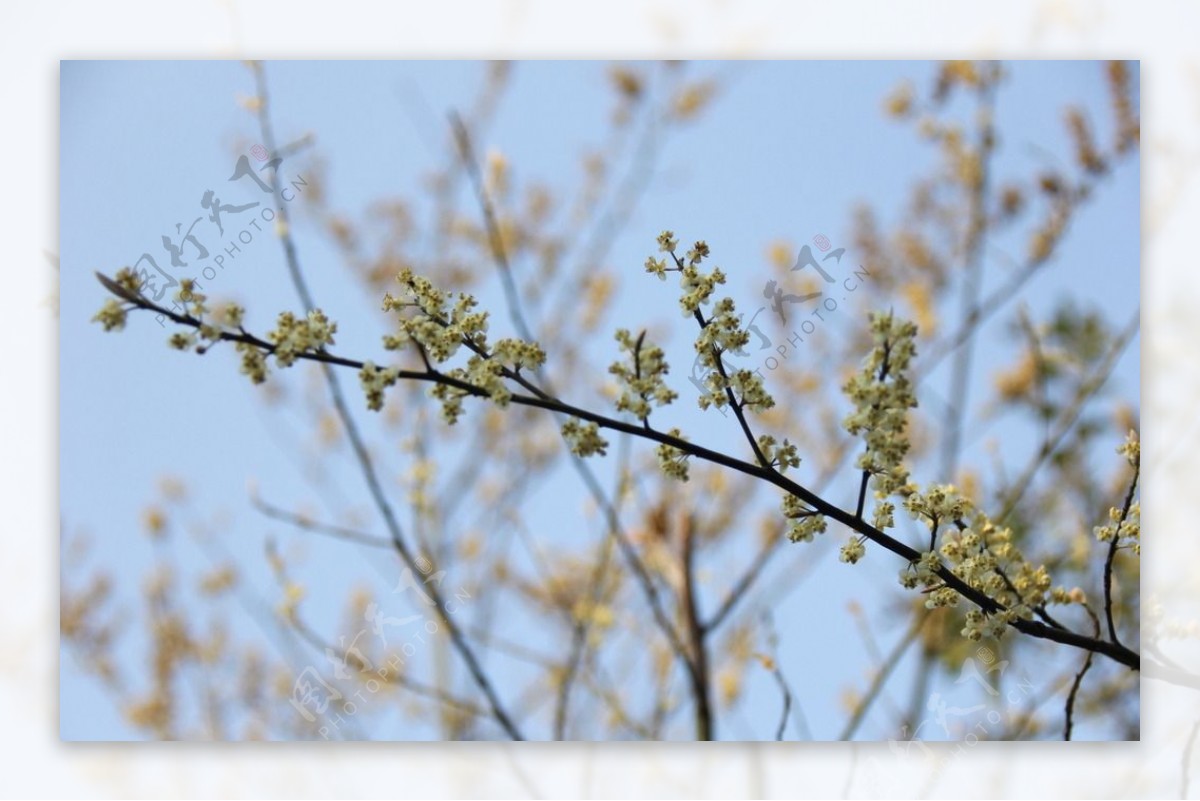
1114 651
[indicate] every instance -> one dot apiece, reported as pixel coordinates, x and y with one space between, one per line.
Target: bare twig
358 444
1087 664
976 235
701 685
327 529
1070 416
395 678
882 673
787 703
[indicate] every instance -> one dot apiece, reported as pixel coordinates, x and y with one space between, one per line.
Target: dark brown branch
1087 664
734 403
787 702
1112 554
701 683
866 474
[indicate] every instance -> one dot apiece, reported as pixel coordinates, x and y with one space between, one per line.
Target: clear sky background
786 151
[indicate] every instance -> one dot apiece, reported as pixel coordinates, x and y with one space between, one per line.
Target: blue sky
787 150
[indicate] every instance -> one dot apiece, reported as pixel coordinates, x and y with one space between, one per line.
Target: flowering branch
583 441
462 327
1125 525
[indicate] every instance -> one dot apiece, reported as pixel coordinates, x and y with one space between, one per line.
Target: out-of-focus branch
517 316
882 673
1087 664
327 529
357 442
701 683
1069 416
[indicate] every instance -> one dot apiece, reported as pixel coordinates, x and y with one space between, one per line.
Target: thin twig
1112 553
973 281
1070 416
1087 664
881 676
701 685
327 529
394 678
787 703
358 444
744 582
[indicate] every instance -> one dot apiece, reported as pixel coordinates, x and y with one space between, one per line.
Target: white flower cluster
1061 595
719 334
978 625
426 319
697 286
211 326
923 571
941 503
439 332
671 460
1125 529
656 266
782 456
519 353
722 334
293 336
451 399
882 395
584 438
804 523
194 304
984 557
111 315
374 381
1131 449
191 301
642 377
254 362
852 551
1125 526
884 515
